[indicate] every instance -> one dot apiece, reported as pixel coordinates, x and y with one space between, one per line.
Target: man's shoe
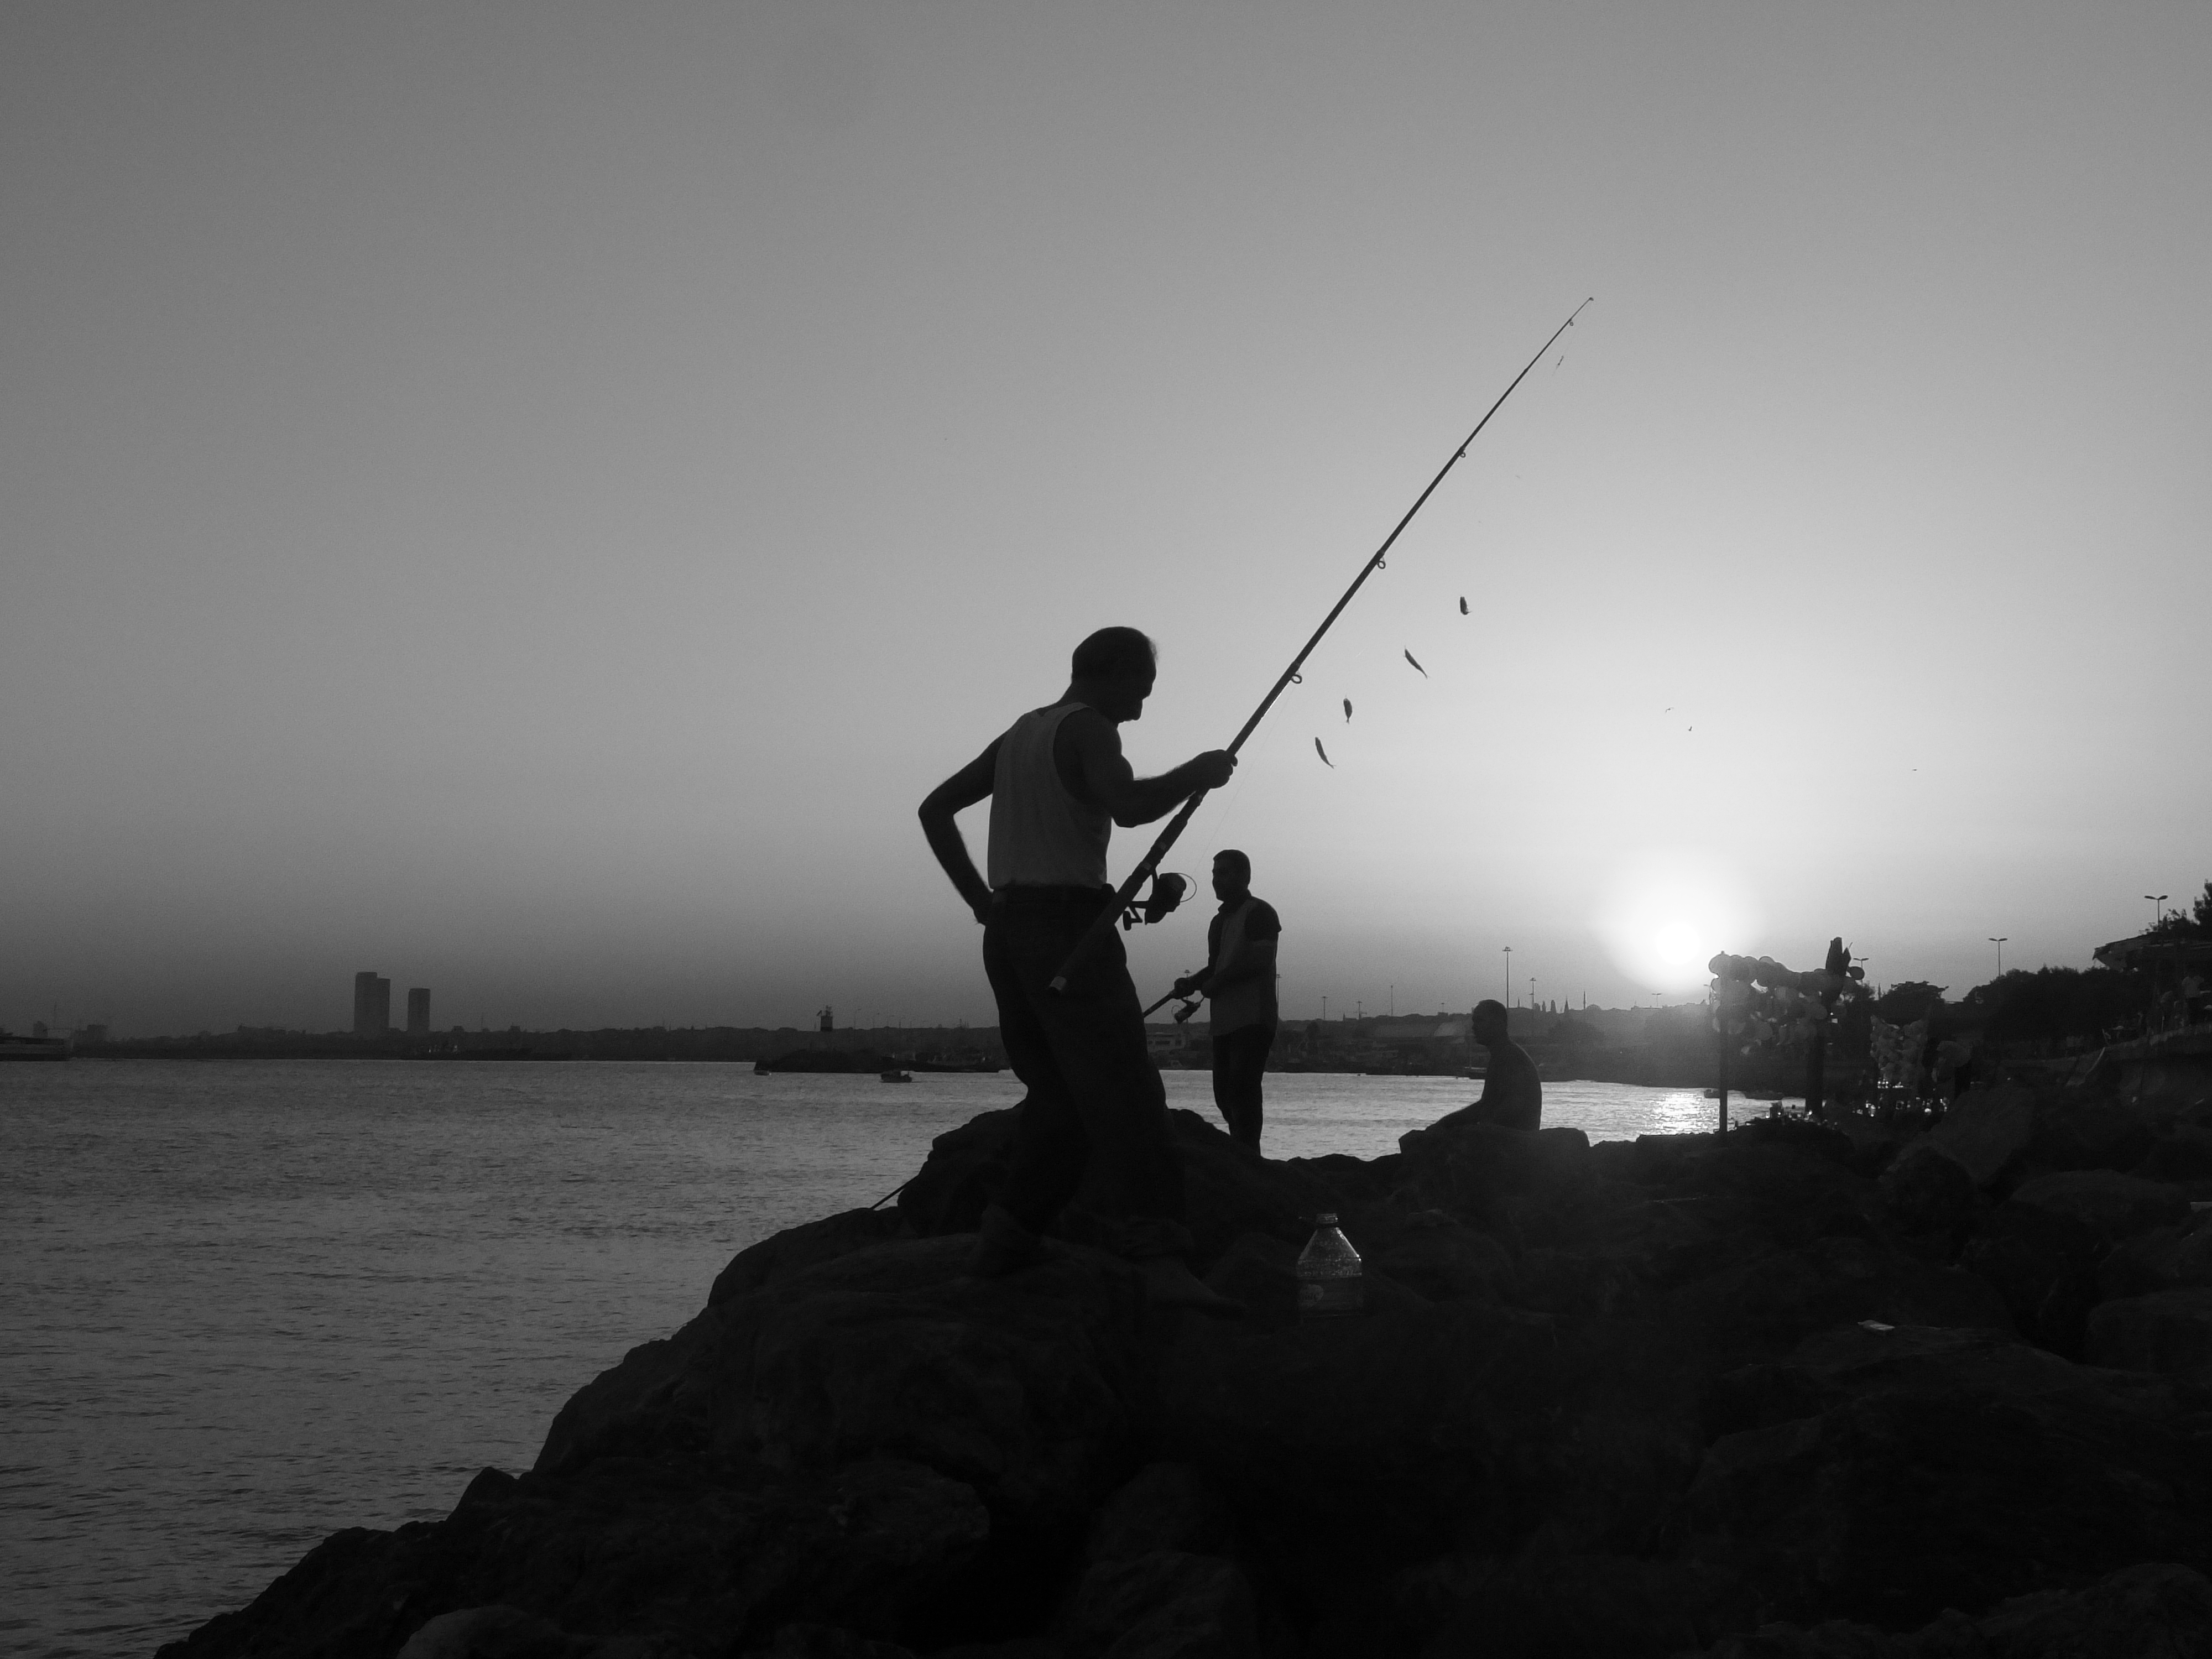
1170 1283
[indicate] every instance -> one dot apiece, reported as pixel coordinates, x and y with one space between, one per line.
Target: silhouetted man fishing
1239 980
1058 783
1512 1095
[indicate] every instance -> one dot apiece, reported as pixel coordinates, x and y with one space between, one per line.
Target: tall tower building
371 1005
418 1011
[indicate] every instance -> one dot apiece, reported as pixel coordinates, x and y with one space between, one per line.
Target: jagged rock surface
1785 1391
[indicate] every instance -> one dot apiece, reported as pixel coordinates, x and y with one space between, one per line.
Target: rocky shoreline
1792 1391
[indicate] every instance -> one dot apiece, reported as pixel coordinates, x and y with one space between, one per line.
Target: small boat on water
895 1076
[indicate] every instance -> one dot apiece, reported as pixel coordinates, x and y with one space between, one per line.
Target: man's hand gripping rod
1150 862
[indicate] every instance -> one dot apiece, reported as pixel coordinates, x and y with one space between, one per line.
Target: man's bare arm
1110 782
970 784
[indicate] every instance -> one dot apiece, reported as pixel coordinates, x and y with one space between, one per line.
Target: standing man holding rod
1058 782
1239 979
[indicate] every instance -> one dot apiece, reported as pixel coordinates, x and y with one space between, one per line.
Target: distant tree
1574 1033
2195 924
1908 1000
1683 1022
2051 1005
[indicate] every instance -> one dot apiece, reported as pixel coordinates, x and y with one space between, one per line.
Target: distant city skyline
372 993
536 499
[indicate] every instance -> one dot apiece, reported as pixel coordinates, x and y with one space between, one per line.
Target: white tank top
1041 835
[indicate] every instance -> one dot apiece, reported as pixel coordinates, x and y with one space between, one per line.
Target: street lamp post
1509 977
1999 941
2157 907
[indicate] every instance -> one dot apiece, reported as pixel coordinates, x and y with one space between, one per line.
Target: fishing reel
1169 890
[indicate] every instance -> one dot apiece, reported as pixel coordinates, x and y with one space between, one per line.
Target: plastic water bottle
1329 1284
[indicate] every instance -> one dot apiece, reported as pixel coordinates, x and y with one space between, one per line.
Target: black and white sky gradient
527 498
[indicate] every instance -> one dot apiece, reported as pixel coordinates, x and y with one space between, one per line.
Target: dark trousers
1240 1060
1094 1099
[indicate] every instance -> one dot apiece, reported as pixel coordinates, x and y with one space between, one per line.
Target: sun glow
1678 944
1665 914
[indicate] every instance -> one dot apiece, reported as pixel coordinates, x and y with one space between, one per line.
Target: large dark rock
1165 1605
1022 1390
1163 1506
2004 1136
1540 1605
2169 1332
1770 1304
1926 1194
2182 1153
2043 1263
1615 1402
2072 1133
796 1248
966 1170
504 1633
661 1552
1443 1259
1886 1474
2157 1610
2111 1205
1350 1445
2161 1259
1988 1134
1229 1190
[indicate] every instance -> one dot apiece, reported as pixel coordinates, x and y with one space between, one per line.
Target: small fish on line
1462 604
1323 753
1417 666
1347 711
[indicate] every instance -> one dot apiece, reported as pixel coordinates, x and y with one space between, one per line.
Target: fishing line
1290 675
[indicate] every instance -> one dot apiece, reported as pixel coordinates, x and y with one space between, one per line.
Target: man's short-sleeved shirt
1248 1001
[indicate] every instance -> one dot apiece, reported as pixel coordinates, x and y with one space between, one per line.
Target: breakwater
1640 1397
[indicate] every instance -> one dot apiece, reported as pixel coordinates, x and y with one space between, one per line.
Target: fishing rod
1127 896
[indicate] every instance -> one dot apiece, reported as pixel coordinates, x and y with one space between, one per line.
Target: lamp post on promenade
2157 907
1999 941
1509 977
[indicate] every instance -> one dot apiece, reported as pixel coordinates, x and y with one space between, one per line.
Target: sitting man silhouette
1512 1096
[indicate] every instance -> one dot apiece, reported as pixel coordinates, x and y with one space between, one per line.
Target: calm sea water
244 1304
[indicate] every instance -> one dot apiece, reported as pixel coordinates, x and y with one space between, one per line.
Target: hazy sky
528 498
